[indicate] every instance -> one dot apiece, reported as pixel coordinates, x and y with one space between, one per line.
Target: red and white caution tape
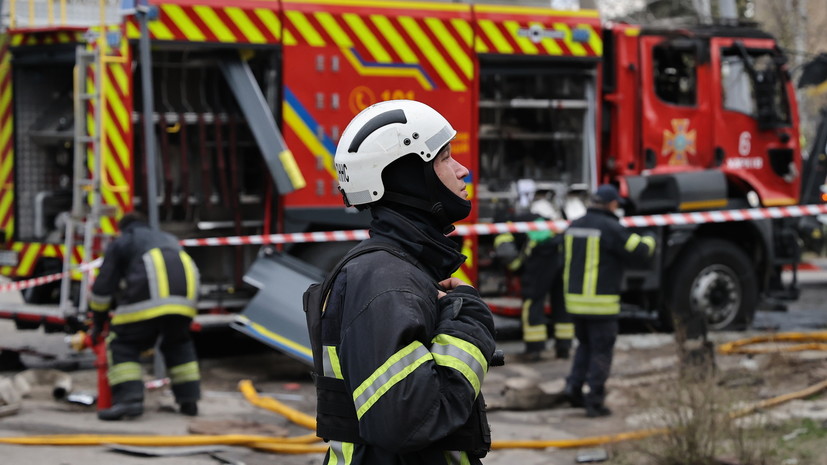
41 280
319 236
724 216
481 229
719 216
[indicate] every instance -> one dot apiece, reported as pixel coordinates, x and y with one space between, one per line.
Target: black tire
44 294
26 325
717 278
48 293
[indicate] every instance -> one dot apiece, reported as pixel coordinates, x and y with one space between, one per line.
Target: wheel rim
716 292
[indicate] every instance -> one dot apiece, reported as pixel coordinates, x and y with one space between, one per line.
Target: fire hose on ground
306 443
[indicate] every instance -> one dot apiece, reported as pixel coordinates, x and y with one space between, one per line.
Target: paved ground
276 375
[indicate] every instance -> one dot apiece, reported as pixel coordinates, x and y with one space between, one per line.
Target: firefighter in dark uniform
405 346
596 249
536 256
155 285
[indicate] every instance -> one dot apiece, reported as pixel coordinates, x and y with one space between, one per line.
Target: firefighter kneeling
157 287
401 348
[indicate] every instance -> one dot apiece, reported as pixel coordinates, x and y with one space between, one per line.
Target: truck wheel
717 278
25 325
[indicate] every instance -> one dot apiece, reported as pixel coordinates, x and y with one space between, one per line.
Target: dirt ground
642 392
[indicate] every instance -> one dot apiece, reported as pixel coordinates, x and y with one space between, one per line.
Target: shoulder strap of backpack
355 252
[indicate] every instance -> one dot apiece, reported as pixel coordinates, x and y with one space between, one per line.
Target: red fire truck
682 120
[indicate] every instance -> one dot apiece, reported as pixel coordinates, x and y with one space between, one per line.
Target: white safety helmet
545 208
381 134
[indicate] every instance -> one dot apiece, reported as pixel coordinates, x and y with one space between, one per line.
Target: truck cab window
738 94
753 84
675 79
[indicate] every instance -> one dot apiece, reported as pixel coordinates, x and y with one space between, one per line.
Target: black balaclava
413 183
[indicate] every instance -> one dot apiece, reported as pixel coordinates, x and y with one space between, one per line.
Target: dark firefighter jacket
160 278
412 364
597 248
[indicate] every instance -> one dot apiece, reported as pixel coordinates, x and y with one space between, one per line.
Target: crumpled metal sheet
275 315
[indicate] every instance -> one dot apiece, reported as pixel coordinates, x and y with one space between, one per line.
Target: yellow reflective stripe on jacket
394 370
466 358
330 363
563 330
517 262
532 333
191 273
529 248
592 304
591 261
153 312
632 242
592 265
341 453
184 373
152 303
159 272
635 240
503 238
99 303
567 249
650 241
124 372
506 238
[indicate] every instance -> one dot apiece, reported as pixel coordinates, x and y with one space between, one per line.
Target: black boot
597 410
120 411
574 396
528 357
189 408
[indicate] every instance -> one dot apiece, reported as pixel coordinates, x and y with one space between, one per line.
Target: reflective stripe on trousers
340 453
457 458
532 333
563 330
184 373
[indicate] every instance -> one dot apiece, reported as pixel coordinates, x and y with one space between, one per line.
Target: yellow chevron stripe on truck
405 36
6 140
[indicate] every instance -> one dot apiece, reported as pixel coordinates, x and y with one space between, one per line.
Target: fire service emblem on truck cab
678 142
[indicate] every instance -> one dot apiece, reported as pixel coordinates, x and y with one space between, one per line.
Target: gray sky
608 8
612 8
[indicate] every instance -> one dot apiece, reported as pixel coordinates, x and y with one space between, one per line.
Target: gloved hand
95 335
462 313
96 330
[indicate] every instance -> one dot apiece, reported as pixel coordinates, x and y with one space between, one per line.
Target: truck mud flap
275 316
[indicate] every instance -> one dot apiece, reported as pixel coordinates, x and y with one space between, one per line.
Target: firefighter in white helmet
401 347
